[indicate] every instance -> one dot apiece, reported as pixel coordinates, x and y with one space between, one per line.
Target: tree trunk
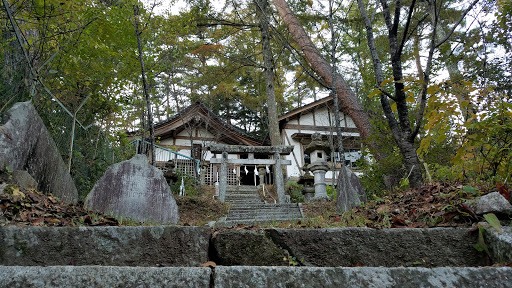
411 161
273 126
402 132
348 99
145 86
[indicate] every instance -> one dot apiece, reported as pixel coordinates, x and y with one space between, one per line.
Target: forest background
428 82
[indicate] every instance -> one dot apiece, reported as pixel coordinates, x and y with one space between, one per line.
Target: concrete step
244 201
242 196
278 210
268 206
262 219
243 192
251 276
287 210
242 188
264 212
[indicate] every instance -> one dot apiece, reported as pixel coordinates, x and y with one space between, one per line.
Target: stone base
308 196
321 199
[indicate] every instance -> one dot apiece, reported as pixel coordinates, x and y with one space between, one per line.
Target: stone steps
250 213
251 276
242 188
170 256
245 197
248 207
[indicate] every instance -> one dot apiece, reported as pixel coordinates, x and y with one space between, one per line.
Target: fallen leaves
32 208
435 205
502 189
428 206
210 264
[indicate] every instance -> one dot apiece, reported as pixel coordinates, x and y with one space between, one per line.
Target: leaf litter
32 208
435 205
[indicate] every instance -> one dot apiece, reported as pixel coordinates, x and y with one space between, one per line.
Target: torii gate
275 151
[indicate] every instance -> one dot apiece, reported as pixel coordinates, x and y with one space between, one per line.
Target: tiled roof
210 113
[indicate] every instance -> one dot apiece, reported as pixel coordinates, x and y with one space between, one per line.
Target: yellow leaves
375 92
468 156
424 145
393 107
431 90
387 81
324 27
207 49
17 195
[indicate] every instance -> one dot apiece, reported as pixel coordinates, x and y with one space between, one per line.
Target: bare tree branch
449 34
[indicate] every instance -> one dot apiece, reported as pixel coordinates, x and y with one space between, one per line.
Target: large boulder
26 144
350 190
136 190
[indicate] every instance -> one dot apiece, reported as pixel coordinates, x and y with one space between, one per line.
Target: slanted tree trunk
145 86
348 99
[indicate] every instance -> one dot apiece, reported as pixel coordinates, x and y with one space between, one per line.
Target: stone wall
192 246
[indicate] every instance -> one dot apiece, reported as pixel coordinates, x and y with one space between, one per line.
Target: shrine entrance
267 156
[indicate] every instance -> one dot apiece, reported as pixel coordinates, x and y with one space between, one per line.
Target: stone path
247 207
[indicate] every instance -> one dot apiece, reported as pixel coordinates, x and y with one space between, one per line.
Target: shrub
295 191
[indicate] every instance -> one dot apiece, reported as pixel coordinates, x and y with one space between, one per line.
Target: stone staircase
177 256
247 207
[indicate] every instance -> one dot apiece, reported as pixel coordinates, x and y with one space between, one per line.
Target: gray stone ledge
115 246
246 276
104 277
499 245
190 246
349 247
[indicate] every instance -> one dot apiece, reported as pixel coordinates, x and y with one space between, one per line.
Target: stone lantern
262 171
308 185
318 151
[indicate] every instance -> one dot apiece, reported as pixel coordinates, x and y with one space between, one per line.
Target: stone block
289 277
111 246
499 245
350 247
136 190
350 190
247 247
104 277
